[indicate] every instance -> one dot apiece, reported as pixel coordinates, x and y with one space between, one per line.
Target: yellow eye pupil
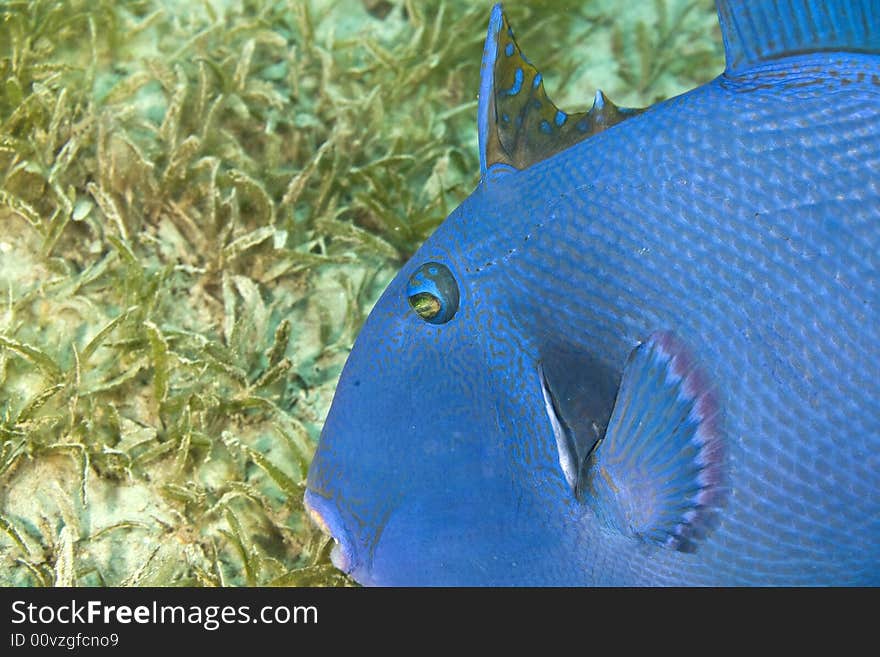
433 293
425 304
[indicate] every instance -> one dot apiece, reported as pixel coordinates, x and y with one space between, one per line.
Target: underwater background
199 204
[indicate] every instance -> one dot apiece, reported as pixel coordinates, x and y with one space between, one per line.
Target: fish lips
325 514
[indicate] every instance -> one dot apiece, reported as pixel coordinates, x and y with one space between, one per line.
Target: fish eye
433 293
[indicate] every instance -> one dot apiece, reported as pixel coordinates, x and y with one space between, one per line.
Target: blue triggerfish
646 349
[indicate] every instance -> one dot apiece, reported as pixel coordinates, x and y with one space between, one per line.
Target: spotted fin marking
518 124
657 474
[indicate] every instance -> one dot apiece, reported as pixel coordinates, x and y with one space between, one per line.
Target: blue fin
518 124
759 30
656 475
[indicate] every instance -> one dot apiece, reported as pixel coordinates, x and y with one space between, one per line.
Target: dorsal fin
755 31
518 124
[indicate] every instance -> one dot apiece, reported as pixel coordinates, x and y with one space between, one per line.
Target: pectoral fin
657 473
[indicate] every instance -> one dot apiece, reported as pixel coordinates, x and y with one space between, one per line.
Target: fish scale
761 266
731 233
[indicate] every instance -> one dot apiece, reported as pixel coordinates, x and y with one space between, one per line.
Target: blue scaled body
644 351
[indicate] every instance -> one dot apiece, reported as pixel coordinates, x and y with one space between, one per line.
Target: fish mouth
325 514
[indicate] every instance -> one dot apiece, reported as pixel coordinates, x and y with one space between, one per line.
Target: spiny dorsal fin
518 124
759 30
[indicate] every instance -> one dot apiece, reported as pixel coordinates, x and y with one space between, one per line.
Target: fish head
436 457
